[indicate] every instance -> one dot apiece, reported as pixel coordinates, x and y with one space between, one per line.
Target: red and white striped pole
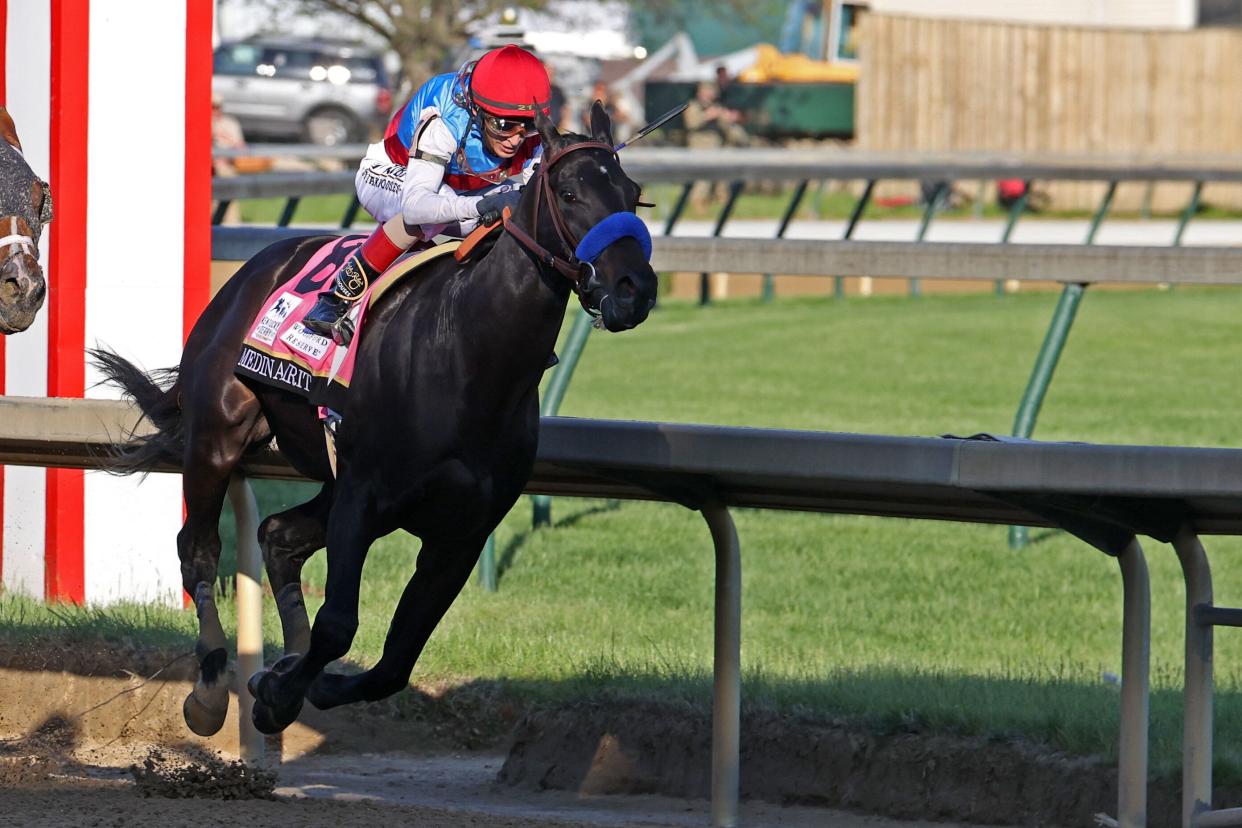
124 137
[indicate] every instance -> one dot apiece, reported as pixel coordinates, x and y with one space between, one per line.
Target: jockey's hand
491 206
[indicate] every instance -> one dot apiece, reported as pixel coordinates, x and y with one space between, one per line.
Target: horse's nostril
625 289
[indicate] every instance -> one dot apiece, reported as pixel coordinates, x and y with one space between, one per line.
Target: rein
579 273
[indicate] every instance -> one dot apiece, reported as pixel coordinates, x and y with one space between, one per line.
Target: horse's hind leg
287 540
443 569
215 437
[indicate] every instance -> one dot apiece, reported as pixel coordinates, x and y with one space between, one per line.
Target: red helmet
510 82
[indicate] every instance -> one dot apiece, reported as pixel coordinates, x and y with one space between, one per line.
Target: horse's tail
156 394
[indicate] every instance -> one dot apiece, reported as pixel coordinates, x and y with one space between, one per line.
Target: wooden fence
941 85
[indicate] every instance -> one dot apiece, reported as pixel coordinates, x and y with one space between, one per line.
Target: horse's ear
549 135
7 131
601 124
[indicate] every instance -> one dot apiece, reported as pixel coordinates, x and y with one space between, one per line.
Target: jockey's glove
491 206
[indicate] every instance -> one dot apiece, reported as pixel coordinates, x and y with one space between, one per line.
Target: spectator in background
226 133
708 125
735 134
621 121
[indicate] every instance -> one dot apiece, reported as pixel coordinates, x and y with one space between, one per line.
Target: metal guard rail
1076 264
1105 495
649 165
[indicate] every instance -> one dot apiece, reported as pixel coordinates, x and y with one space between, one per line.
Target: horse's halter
580 274
19 241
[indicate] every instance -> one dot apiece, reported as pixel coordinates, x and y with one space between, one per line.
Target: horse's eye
568 195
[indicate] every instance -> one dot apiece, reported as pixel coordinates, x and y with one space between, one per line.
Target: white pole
249 612
1135 673
727 695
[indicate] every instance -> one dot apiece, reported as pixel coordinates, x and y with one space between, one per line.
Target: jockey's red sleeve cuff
380 251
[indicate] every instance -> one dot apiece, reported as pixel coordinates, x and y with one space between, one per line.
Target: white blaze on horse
25 207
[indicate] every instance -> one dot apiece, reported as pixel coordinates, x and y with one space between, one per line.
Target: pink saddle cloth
280 351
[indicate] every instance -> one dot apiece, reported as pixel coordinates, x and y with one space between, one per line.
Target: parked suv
322 92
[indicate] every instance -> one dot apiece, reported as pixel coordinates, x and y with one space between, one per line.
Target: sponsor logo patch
304 342
276 315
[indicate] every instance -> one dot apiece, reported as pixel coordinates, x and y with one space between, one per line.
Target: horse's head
583 216
25 206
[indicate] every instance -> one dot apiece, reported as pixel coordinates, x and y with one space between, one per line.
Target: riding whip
653 126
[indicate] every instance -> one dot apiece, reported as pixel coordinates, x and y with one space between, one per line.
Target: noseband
14 238
580 273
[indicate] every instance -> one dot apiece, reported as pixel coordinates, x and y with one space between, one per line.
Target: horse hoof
205 718
280 668
255 683
327 691
269 720
285 663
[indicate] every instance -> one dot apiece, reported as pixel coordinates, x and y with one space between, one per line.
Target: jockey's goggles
502 128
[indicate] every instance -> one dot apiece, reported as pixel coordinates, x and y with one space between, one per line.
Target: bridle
22 242
581 274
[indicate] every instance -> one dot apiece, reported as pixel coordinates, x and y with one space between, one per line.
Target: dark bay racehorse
25 207
438 436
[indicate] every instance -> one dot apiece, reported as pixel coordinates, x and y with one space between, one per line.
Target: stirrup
343 330
325 314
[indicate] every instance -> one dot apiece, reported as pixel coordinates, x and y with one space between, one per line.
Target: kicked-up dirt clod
202 776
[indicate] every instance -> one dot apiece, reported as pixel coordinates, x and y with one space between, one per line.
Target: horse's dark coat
438 437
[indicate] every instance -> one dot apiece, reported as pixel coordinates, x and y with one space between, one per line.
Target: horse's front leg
279 691
443 568
462 507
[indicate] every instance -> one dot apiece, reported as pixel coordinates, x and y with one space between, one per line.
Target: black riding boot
329 315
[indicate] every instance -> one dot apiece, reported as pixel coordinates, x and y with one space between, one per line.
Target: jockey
460 148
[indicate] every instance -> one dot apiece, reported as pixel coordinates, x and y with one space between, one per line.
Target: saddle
279 351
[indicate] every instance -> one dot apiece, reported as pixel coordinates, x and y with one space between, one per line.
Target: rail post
769 288
286 215
1192 207
541 505
487 565
1015 212
735 189
679 207
1132 745
222 207
351 213
727 692
249 612
838 282
1197 686
929 212
1050 351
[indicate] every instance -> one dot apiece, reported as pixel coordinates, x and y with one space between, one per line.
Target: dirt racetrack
112 751
102 746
